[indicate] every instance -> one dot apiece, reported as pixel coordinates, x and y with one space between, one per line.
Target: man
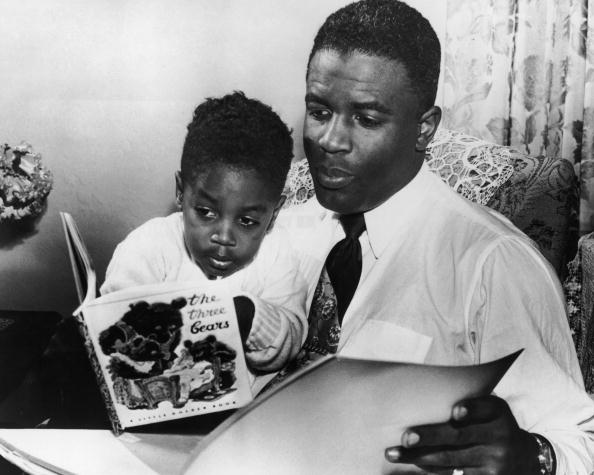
442 280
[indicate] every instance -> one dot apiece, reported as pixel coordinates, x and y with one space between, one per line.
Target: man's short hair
390 29
240 132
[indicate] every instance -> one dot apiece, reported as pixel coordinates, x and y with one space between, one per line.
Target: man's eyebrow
359 106
311 97
371 105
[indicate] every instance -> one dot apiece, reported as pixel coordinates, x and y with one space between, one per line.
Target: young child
234 164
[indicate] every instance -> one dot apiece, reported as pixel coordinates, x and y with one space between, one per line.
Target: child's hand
244 308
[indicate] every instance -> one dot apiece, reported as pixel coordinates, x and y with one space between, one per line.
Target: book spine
116 426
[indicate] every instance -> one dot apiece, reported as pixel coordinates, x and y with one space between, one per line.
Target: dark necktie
344 262
335 289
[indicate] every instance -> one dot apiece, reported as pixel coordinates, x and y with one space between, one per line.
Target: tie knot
353 224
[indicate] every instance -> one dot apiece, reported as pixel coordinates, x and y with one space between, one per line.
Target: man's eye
319 114
247 221
205 212
367 121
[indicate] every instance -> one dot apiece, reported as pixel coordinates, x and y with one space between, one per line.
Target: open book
334 417
162 351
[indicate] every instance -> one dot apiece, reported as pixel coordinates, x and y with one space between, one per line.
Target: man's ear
179 189
427 126
277 208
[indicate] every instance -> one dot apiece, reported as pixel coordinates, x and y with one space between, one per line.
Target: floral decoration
24 182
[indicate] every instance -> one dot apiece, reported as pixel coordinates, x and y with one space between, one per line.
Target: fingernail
410 439
460 412
392 454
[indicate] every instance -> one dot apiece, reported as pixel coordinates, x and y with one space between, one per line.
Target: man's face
360 130
226 215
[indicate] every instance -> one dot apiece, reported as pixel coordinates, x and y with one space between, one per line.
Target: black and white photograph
297 237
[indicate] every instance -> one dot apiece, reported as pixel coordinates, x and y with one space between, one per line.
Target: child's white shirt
156 252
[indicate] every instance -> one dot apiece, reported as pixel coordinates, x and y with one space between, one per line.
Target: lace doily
299 186
471 166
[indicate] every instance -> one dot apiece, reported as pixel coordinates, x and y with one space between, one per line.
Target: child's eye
205 212
247 221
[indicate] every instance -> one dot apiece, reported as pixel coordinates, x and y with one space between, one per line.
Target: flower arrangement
24 183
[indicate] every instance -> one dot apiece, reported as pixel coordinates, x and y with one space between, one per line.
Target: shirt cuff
275 336
266 327
574 452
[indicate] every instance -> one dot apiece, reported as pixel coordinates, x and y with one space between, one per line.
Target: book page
168 351
71 452
338 415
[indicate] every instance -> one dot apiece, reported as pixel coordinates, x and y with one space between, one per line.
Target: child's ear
277 208
179 189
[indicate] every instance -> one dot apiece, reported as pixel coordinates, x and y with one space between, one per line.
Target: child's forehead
216 175
228 182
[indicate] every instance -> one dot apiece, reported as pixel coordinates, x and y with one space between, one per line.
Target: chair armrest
579 290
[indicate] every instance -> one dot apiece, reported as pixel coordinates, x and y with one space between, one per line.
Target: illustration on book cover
148 367
170 351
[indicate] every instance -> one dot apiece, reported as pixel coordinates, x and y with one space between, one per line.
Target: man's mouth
332 178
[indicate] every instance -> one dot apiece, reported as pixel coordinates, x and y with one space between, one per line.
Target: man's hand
482 437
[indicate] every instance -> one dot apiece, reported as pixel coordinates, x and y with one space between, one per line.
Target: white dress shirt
447 281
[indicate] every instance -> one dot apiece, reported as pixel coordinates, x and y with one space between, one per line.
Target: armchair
579 290
538 194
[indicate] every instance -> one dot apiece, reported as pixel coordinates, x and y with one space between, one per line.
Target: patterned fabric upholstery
579 289
541 199
538 194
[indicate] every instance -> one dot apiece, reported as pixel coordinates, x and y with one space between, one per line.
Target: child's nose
223 235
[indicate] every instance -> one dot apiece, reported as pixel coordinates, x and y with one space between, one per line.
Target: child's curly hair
241 132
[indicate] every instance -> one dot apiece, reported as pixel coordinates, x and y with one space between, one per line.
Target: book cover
161 351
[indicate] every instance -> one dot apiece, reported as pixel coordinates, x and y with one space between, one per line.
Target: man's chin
338 201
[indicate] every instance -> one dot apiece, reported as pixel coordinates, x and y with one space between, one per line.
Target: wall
104 90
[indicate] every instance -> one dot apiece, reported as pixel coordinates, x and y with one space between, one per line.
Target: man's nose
336 136
223 234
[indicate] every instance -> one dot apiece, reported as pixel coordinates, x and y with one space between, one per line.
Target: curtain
521 73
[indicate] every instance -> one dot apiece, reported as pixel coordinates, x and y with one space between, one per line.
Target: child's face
226 215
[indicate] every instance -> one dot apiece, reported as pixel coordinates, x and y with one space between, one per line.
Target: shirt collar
390 219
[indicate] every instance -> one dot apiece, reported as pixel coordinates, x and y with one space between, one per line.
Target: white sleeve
519 303
279 293
135 261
